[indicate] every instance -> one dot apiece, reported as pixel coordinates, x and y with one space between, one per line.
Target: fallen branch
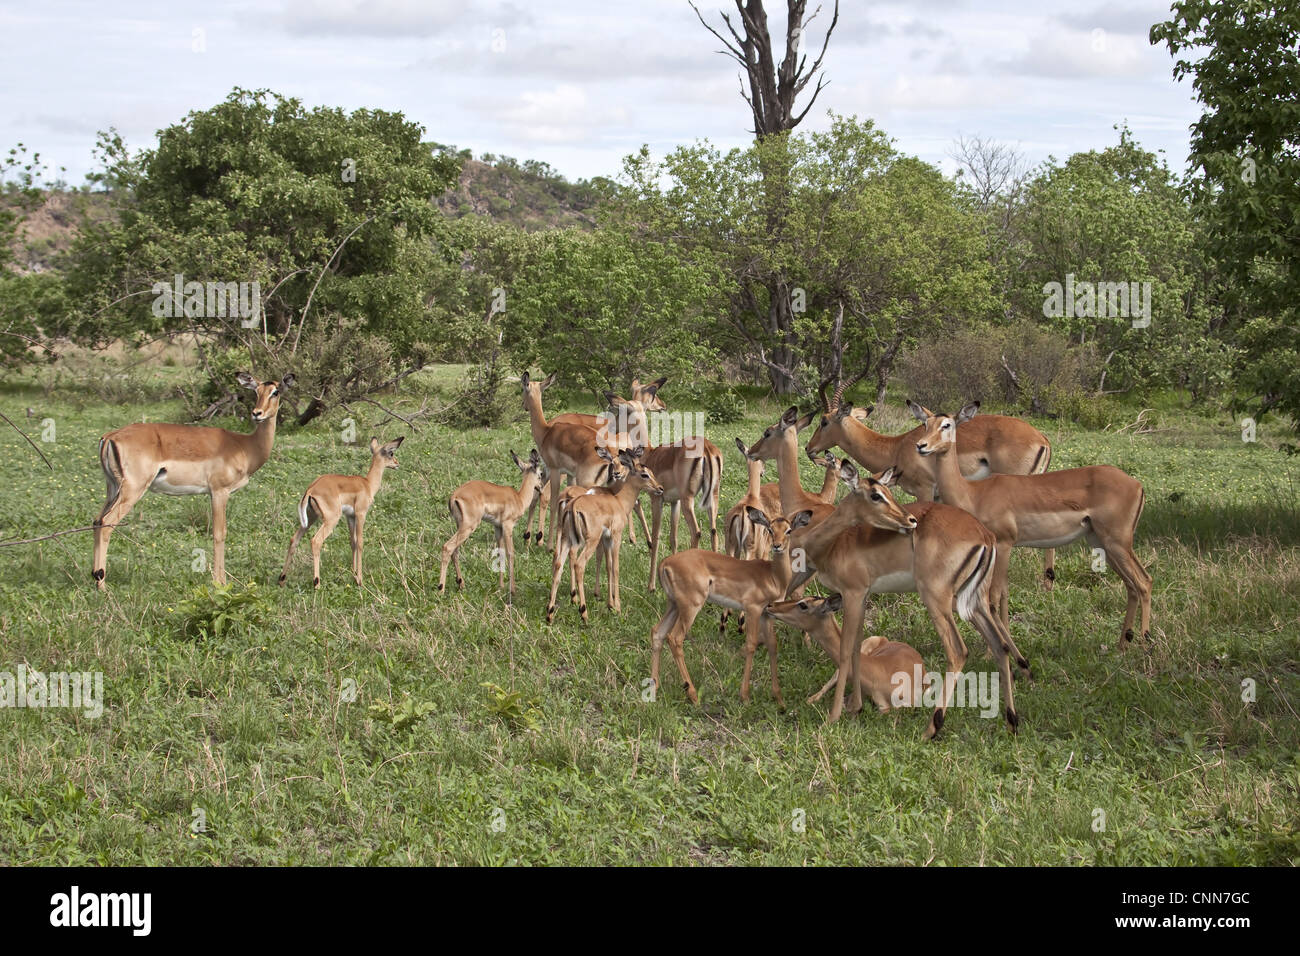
28 440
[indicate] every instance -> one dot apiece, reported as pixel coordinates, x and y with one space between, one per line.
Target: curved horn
843 387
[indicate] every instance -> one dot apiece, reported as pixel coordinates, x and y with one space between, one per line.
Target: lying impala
1098 502
986 444
689 470
597 521
882 660
942 553
331 497
697 577
184 460
500 506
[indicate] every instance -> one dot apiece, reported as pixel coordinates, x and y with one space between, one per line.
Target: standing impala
744 538
1098 502
331 497
597 521
781 441
694 578
689 470
500 506
943 554
184 460
566 449
986 444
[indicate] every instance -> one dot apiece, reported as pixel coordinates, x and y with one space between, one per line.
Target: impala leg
555 507
317 541
769 638
508 536
357 525
674 514
850 640
751 645
1000 590
661 630
1049 568
611 565
711 510
581 561
940 607
676 641
693 521
656 514
498 553
640 513
121 499
825 687
557 571
1137 583
451 551
219 499
293 543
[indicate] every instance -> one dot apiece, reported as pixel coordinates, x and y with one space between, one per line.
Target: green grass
562 761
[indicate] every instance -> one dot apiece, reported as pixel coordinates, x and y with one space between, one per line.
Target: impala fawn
881 660
331 497
693 578
500 506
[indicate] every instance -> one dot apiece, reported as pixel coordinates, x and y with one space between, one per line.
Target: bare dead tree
771 91
991 169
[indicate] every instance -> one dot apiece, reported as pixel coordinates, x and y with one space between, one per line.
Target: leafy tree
1244 60
328 211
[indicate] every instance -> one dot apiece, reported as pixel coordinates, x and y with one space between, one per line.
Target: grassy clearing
429 766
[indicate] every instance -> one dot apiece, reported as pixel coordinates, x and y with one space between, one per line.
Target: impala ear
757 517
534 457
849 473
374 444
918 410
517 460
801 519
744 452
832 605
390 449
549 381
603 453
288 381
888 477
247 381
805 421
860 413
967 412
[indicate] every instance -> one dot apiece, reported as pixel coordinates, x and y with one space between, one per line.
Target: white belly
1057 542
724 601
895 582
161 485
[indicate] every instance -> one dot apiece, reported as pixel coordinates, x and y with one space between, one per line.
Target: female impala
690 470
986 444
943 554
781 441
882 660
566 449
597 521
1098 502
185 460
331 497
697 577
500 506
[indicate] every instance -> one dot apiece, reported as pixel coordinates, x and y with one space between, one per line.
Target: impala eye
875 496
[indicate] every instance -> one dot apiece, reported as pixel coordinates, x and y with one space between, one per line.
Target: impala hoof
281 581
315 582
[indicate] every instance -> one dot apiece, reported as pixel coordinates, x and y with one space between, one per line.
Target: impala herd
980 481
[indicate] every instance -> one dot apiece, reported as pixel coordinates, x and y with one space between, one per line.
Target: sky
580 84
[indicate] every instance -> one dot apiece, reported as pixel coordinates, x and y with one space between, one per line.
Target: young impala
943 554
184 460
690 470
566 448
986 444
1098 502
781 441
744 539
881 659
500 506
331 497
597 521
693 578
